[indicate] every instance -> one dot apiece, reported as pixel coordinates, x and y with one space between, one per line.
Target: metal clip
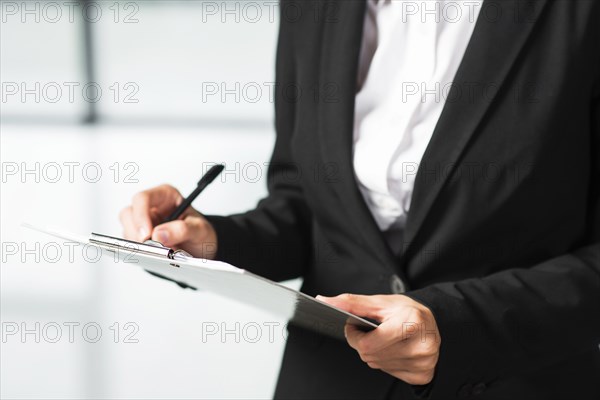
149 247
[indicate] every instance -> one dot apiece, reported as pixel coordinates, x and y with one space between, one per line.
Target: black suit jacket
502 241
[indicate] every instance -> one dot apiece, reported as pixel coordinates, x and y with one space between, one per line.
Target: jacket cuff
461 371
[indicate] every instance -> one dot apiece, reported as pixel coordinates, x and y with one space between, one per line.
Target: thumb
173 233
362 306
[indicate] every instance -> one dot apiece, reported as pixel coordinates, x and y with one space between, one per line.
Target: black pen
206 180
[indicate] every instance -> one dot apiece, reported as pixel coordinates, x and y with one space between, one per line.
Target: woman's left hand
406 344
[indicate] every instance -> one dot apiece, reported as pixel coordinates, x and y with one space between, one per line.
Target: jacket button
479 389
397 285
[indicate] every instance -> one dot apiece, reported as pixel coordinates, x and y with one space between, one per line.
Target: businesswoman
438 171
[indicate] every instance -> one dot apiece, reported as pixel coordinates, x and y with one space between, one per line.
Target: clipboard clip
149 247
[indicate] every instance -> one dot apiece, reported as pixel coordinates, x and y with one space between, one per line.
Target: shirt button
397 285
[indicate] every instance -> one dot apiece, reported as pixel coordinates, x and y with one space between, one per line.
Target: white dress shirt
410 54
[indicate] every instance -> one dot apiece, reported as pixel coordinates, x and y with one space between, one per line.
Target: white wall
165 137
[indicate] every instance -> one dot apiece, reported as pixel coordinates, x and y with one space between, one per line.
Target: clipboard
226 280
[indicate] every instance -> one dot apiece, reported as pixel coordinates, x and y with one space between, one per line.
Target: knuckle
429 349
367 358
348 297
364 347
424 365
427 377
417 316
373 365
139 197
167 187
422 351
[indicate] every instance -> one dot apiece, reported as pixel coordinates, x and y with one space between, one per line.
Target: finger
412 355
369 343
415 365
353 335
144 204
363 306
388 333
142 219
172 233
129 228
180 231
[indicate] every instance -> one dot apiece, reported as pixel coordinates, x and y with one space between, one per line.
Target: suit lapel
499 36
340 51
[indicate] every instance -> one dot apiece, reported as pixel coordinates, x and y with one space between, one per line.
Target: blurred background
102 99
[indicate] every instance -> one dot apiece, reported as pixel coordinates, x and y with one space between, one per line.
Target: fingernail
143 233
163 236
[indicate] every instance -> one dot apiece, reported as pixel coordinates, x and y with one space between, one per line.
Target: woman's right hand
142 220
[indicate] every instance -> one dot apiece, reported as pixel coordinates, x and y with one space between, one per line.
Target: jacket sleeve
273 240
521 319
